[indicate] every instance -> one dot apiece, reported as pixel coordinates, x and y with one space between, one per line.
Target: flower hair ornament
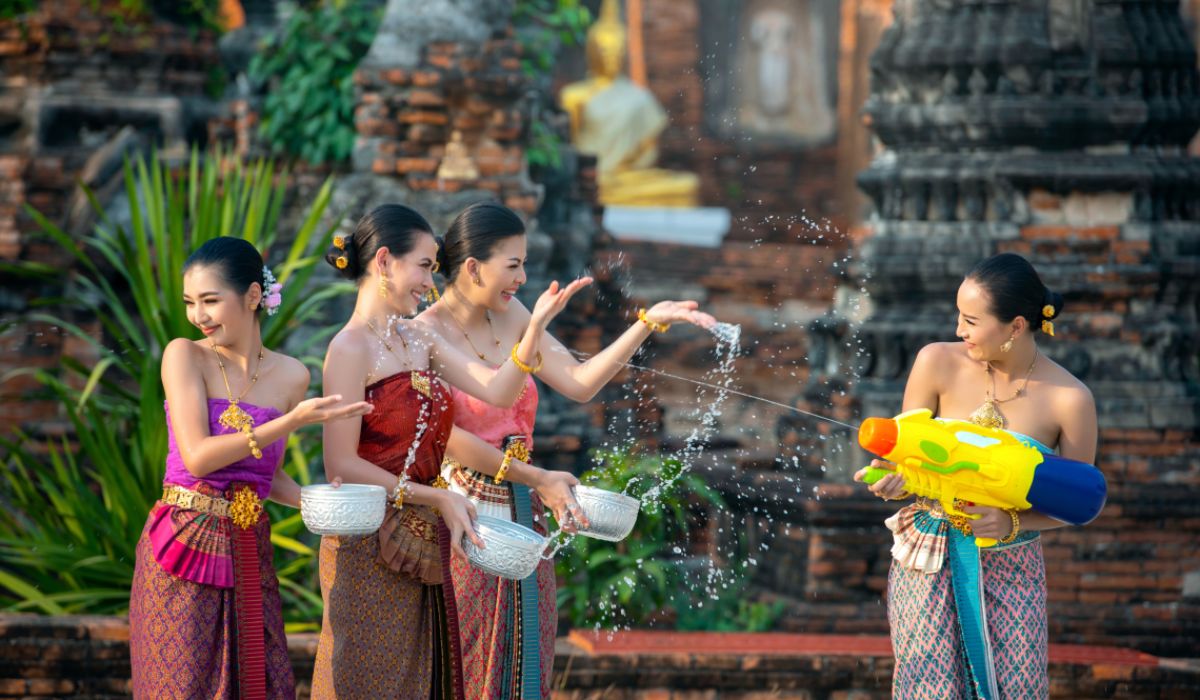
339 242
271 294
1047 324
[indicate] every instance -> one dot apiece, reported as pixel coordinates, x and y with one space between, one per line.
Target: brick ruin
77 93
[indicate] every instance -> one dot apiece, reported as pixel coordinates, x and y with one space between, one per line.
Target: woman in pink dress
507 628
389 626
204 612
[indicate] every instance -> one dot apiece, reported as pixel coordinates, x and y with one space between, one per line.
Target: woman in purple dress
204 613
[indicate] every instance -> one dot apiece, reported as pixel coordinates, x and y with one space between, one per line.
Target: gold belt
934 508
245 509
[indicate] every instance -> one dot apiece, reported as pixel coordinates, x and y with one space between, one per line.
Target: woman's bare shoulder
941 358
350 343
1066 388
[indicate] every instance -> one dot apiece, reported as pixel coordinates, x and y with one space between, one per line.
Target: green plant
133 15
73 509
635 579
727 610
543 27
308 67
11 9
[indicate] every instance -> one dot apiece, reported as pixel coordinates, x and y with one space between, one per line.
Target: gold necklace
234 416
461 327
419 381
386 344
987 415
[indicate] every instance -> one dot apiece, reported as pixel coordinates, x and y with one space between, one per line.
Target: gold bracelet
1016 527
653 325
249 433
524 367
400 491
503 470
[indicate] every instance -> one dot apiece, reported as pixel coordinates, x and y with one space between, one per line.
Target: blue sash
531 659
966 578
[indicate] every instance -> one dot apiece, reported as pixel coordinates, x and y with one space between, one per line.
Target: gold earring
478 282
1007 345
383 286
432 295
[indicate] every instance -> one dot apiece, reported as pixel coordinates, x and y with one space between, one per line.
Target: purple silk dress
183 615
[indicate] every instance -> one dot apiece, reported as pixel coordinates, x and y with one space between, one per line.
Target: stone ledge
629 665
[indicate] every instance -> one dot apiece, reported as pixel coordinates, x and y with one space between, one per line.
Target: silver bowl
513 551
611 515
350 509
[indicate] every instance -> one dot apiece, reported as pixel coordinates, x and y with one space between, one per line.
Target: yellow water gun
953 459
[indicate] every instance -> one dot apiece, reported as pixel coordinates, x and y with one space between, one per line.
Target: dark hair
392 226
1015 289
235 260
475 233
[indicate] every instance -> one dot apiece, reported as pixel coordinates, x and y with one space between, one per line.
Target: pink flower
275 289
274 300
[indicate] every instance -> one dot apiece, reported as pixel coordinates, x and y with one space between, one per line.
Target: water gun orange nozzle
878 435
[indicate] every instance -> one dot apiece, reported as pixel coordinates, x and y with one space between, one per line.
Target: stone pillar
1057 129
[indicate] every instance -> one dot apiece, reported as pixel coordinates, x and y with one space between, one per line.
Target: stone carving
786 86
1060 135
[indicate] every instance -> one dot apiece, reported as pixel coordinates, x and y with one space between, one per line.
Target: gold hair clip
339 242
341 262
1048 328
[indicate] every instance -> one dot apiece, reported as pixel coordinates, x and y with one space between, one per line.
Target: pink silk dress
506 628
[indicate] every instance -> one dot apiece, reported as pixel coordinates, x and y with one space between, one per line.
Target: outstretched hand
325 408
554 300
680 312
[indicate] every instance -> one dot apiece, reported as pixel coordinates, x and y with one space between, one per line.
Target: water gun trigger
985 542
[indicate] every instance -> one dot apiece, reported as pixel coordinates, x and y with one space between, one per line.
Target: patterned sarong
927 638
183 635
508 648
384 634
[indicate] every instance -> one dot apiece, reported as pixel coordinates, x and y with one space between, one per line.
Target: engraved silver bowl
350 509
513 551
611 515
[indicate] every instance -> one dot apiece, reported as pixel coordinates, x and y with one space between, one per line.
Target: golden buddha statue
457 163
619 122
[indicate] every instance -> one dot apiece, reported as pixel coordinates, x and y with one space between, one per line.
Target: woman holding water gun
968 622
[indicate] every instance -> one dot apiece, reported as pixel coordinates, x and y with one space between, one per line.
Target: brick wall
71 77
405 117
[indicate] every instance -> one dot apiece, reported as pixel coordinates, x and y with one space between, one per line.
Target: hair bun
342 256
1054 304
441 253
